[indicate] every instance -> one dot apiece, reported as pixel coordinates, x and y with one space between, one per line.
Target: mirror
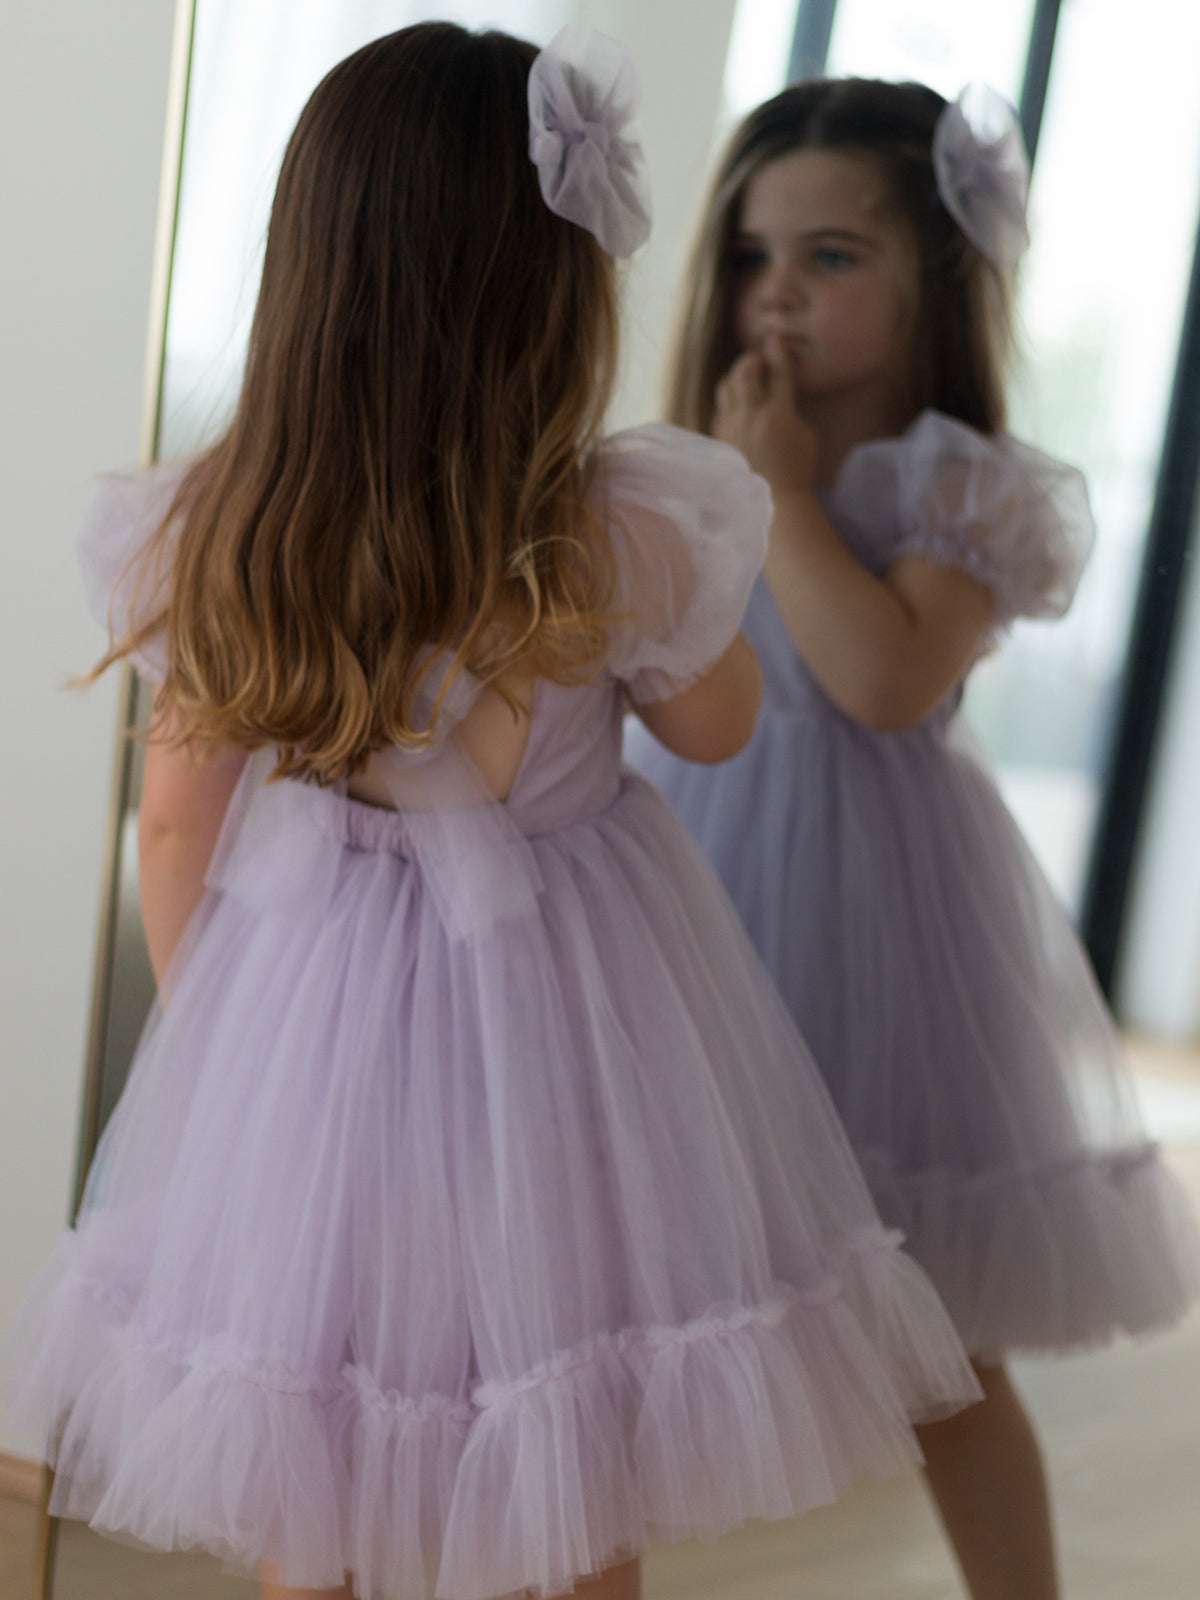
1118 1424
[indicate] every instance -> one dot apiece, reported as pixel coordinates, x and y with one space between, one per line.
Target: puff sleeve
687 522
126 511
998 509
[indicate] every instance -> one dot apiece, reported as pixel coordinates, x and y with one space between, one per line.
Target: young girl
473 1215
844 326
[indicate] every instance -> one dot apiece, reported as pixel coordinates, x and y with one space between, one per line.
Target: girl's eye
746 258
832 259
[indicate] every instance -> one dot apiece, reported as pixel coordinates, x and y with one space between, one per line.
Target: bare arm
184 799
713 718
886 649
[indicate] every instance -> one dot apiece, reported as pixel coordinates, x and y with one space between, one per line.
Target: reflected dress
474 1215
937 980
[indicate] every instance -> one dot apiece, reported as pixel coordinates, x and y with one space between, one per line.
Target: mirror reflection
1103 325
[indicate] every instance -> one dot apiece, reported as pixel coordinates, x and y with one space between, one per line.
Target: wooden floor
1121 1429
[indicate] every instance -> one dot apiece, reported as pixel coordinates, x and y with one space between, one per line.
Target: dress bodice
571 766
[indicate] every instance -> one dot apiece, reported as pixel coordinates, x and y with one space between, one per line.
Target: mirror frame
121 788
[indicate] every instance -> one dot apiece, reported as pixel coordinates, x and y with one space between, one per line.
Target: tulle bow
583 139
278 852
982 173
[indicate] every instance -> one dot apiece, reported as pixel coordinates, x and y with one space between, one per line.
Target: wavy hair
963 334
406 472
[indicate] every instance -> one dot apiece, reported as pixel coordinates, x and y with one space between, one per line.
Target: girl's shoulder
1000 509
695 493
127 509
686 522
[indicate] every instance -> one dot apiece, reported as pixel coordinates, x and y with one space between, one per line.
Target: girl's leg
615 1583
984 1467
272 1589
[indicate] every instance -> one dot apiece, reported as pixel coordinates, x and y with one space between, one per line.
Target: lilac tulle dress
938 982
474 1215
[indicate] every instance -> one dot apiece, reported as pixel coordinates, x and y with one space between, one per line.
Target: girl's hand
756 412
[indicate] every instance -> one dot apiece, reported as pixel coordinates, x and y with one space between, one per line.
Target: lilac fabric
982 173
479 1252
583 139
935 977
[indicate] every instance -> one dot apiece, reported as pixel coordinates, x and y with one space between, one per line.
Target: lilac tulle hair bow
583 139
982 173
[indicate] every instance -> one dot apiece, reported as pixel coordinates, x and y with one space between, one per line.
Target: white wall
680 48
83 88
82 100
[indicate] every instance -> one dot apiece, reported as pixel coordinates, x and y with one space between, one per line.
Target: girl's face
820 265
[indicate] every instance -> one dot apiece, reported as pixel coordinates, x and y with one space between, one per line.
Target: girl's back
442 1233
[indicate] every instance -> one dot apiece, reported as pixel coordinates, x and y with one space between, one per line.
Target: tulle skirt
474 1263
951 1009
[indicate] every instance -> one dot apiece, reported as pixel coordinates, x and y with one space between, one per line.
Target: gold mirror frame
129 696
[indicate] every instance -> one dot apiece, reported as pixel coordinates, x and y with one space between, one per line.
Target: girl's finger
752 377
776 367
743 369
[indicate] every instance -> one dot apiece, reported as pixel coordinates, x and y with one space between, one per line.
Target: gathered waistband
360 826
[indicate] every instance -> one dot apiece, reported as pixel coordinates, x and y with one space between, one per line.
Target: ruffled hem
647 1435
1058 1257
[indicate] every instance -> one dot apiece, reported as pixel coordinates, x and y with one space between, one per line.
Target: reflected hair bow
982 173
583 139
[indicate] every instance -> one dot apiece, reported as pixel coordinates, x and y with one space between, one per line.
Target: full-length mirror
1108 320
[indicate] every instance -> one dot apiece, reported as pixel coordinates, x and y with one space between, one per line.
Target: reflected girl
845 326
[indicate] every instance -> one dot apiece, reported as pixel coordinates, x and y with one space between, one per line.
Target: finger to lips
750 376
776 362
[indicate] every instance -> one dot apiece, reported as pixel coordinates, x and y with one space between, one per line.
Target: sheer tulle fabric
122 586
938 982
1012 517
477 1257
669 499
584 139
982 172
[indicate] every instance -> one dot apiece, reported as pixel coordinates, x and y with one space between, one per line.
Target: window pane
1113 219
760 47
943 43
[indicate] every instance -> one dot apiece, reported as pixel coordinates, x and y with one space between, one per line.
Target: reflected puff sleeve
998 509
687 523
126 511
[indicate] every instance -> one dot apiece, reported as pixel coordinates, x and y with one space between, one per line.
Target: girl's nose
780 286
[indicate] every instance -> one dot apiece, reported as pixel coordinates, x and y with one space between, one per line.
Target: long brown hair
430 360
963 333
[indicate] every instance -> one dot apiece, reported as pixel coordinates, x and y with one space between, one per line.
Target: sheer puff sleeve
1013 518
126 511
687 523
